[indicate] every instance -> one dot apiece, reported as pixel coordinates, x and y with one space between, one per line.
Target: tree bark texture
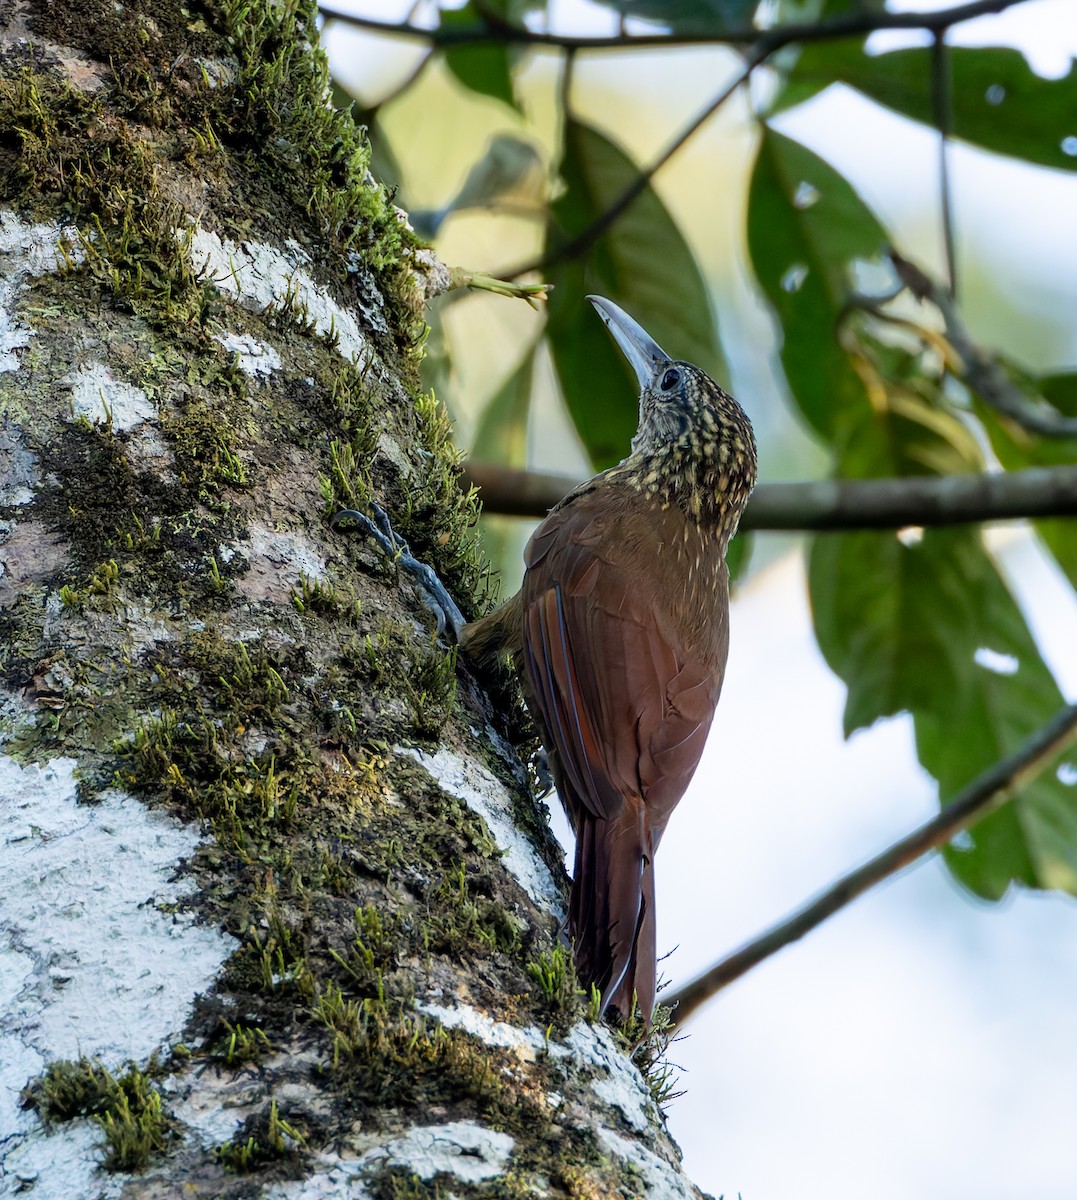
281 917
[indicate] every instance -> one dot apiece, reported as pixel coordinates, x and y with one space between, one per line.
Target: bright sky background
921 1044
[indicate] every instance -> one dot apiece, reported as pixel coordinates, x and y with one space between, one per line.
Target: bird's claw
434 593
381 532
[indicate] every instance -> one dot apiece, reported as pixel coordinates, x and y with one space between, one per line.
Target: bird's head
694 445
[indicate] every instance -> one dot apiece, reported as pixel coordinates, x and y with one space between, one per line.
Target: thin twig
833 505
942 106
760 45
847 25
988 792
587 237
980 370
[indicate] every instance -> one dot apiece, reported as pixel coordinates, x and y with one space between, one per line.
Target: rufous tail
611 911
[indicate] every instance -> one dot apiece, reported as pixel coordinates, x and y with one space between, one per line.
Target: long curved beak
642 351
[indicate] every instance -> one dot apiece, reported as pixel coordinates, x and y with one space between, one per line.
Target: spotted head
694 445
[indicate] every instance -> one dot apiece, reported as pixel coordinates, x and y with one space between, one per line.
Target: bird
619 635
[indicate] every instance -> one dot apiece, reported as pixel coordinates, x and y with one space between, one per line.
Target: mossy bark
211 321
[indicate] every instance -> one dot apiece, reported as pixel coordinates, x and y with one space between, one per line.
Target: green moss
128 1108
554 974
233 1045
648 1046
262 1140
316 153
345 872
463 913
385 1054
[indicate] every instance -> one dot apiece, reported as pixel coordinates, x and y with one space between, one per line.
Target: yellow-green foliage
264 1139
128 1108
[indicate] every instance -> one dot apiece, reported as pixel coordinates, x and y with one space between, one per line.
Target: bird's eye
670 379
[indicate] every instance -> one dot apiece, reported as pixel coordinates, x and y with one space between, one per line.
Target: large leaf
683 16
931 629
928 627
501 435
485 67
998 101
1016 448
643 263
807 228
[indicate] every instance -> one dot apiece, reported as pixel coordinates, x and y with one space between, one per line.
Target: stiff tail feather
611 911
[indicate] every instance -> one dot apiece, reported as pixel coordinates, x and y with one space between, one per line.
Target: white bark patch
527 1044
90 965
662 1182
257 359
279 561
26 250
259 276
620 1085
486 795
468 1152
99 397
18 469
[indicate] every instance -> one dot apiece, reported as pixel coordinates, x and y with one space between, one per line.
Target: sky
921 1043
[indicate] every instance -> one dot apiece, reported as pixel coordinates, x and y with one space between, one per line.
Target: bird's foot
434 593
540 768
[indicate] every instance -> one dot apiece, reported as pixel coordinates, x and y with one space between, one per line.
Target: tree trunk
281 917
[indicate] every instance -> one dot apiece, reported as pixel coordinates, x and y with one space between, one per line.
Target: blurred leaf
838 8
931 629
1016 448
739 555
999 102
486 67
806 227
928 627
510 171
683 16
501 436
1061 391
643 263
510 10
436 367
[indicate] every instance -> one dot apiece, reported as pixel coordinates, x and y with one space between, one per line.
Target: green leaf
806 229
931 629
485 67
501 436
999 102
643 263
1061 391
688 16
1017 449
739 555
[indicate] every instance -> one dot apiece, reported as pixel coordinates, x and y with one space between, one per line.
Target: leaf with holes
998 102
930 628
807 230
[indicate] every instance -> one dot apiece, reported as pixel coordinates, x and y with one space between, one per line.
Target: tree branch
846 25
831 505
988 792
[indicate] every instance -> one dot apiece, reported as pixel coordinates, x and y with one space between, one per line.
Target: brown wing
623 652
626 700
